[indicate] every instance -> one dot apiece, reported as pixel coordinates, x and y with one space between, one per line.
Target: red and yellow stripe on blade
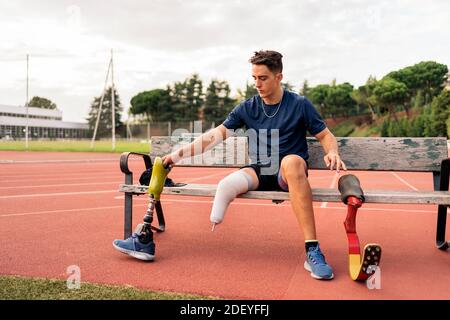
359 268
354 264
354 256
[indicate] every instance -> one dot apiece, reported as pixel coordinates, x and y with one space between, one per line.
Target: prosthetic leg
352 195
155 187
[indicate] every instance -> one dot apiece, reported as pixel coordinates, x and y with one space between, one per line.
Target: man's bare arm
329 144
200 145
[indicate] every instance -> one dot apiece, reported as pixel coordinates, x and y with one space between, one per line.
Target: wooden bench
360 154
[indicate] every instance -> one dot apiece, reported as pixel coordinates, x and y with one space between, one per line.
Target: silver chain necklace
278 108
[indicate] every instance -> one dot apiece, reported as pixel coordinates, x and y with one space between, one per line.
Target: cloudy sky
157 42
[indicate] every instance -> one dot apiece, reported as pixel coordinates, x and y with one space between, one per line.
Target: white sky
157 42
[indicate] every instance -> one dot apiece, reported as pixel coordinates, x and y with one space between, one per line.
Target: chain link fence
169 128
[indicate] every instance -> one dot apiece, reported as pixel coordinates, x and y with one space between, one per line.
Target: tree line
399 90
186 100
417 90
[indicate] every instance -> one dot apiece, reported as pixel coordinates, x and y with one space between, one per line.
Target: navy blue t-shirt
296 116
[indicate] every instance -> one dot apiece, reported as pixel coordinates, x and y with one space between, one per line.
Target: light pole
26 108
113 107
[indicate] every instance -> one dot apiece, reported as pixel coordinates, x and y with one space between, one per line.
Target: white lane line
99 176
37 195
404 181
83 192
177 201
61 211
58 173
205 177
342 172
61 185
62 177
333 184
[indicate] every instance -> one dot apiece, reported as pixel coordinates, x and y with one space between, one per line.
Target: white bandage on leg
229 188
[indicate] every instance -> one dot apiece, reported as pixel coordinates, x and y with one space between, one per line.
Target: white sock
227 190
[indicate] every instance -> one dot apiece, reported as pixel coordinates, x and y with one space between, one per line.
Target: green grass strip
22 288
76 146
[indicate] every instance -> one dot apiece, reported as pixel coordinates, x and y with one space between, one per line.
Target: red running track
62 209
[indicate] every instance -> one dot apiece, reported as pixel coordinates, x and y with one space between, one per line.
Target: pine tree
105 123
427 128
417 127
440 113
218 102
384 128
187 98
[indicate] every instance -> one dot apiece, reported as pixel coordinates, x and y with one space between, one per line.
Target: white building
42 123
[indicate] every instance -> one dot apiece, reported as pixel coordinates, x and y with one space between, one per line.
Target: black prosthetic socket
146 234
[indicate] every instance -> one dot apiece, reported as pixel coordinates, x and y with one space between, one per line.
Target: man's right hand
167 160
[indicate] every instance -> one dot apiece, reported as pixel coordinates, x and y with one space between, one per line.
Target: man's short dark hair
271 59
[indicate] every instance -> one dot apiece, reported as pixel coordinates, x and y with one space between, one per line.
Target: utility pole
113 106
113 111
26 107
100 107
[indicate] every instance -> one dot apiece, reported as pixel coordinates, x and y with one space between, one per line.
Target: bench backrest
374 153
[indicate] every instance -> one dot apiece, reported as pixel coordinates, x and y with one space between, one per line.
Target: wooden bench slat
385 154
373 153
319 194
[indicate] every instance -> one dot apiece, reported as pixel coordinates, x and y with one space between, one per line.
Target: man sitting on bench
277 121
274 113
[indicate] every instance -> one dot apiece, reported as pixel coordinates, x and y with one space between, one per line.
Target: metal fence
169 128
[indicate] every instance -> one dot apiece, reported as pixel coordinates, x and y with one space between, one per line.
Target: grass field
76 146
21 288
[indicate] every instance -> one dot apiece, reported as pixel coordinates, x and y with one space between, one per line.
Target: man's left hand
333 160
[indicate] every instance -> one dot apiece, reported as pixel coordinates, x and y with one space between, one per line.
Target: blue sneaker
135 248
316 264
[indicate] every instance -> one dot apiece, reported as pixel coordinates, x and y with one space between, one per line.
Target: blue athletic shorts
270 182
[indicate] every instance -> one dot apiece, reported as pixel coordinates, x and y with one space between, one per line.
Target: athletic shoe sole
135 254
308 268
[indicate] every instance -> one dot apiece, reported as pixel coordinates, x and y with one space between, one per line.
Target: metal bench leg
161 222
128 207
441 243
128 214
